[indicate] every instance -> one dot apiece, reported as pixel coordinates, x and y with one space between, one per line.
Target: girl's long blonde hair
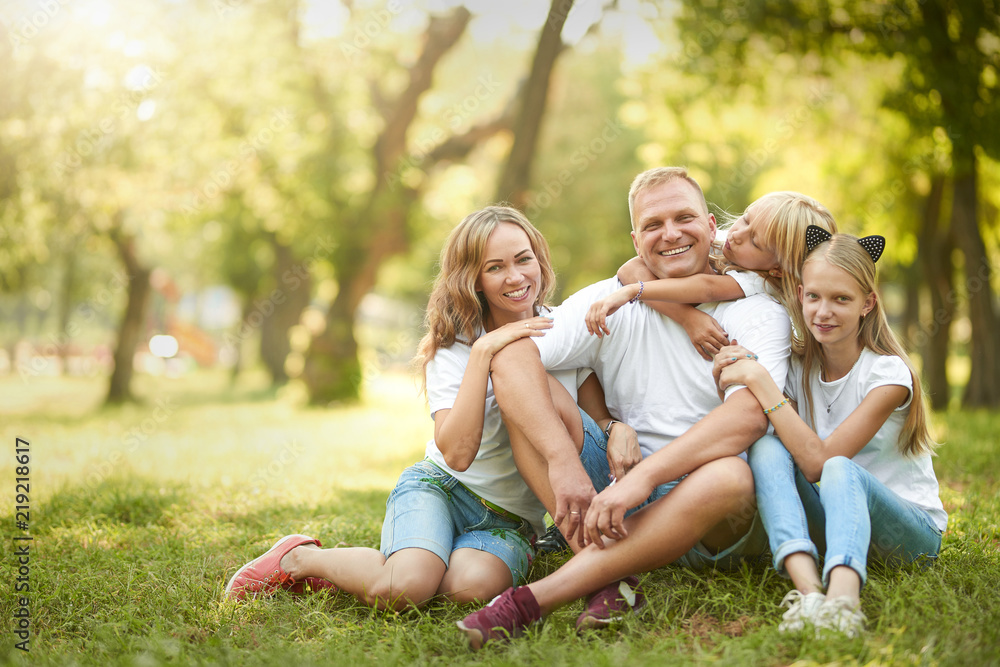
455 310
844 252
783 218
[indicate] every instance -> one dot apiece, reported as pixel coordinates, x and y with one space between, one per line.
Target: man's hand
573 491
607 511
623 449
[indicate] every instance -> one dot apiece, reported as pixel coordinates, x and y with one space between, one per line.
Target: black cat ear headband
873 244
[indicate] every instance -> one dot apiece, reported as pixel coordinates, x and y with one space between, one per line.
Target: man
656 382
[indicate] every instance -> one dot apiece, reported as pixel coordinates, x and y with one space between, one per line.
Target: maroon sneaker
611 603
507 615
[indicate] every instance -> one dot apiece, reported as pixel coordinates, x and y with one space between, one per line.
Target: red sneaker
312 585
263 575
506 616
611 603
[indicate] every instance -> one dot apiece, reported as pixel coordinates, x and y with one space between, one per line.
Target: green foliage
129 567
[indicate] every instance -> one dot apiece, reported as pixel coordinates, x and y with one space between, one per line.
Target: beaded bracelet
770 410
638 294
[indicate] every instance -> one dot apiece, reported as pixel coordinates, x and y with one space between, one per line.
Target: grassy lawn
139 515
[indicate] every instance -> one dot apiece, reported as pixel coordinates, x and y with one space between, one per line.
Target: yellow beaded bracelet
770 410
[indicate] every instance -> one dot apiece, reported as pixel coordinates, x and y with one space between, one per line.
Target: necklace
829 405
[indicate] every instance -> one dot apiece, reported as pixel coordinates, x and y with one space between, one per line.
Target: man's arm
727 430
521 387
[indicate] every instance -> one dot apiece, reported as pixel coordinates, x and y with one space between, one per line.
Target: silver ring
574 512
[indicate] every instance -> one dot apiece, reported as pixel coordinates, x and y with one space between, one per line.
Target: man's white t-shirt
911 478
653 378
492 475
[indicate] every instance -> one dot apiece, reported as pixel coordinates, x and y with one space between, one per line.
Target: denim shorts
594 454
431 510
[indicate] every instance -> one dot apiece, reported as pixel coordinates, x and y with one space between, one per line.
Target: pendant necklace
829 405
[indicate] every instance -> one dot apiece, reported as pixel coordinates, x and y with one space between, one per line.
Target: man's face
673 234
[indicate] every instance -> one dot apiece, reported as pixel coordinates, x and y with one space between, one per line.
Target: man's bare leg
660 533
522 388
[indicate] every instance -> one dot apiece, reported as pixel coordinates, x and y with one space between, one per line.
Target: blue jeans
850 514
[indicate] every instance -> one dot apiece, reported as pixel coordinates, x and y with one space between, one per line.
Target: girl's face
743 246
832 302
509 276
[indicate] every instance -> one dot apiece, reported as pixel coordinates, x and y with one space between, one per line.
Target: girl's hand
494 341
705 333
727 370
623 449
599 311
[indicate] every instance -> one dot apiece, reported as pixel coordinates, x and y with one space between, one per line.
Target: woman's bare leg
409 577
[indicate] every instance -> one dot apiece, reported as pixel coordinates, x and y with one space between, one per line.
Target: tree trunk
516 177
66 307
288 299
130 329
333 369
237 342
983 389
933 339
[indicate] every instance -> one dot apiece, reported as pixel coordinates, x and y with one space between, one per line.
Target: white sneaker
802 609
842 615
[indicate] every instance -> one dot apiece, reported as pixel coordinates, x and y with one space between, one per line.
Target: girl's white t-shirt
910 477
493 474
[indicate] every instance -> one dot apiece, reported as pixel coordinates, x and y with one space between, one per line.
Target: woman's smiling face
509 276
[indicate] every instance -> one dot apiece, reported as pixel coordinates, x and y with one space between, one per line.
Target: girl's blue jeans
849 515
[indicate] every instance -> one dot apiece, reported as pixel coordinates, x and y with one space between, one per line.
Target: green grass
140 514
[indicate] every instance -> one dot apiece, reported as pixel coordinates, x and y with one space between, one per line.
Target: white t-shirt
653 378
750 282
492 475
911 478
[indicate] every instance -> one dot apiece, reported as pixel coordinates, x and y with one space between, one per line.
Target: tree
948 84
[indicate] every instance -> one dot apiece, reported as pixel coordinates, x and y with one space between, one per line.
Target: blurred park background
219 222
240 184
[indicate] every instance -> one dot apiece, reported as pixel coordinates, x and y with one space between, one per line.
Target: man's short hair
655 176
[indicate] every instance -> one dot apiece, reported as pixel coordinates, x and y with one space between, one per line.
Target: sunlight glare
145 110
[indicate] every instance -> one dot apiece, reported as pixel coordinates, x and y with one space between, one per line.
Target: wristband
607 429
638 294
770 410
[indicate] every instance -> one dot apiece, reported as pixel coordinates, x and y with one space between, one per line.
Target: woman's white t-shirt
910 477
492 475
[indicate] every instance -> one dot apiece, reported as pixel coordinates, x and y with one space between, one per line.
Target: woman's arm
806 447
458 431
623 443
